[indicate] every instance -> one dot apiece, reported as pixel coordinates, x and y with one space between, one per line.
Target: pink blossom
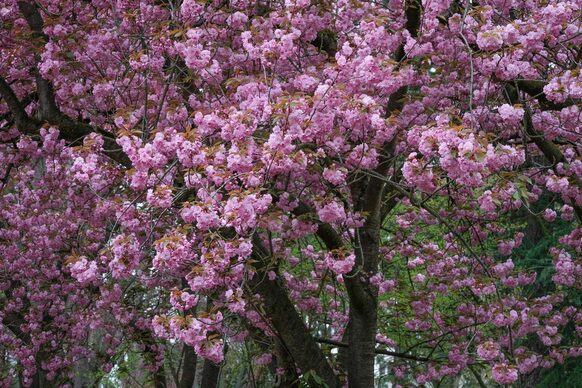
237 20
567 213
83 270
510 114
200 173
488 350
490 40
264 359
334 176
504 373
342 265
486 201
332 212
550 215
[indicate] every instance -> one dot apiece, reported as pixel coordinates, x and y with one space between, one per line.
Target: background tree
327 192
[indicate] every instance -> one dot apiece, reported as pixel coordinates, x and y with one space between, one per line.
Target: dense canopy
294 193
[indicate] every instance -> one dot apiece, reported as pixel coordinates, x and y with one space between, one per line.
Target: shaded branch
21 118
550 150
325 232
46 97
210 374
295 337
374 191
477 377
377 351
535 89
326 41
71 130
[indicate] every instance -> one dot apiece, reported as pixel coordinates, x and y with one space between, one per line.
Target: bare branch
377 351
21 118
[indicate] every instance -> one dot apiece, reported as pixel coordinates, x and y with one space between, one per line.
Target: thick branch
74 131
325 232
550 150
46 97
33 18
374 191
413 10
71 130
210 374
189 356
295 337
535 88
23 122
188 367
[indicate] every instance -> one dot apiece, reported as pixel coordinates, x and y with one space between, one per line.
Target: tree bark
363 297
289 378
190 358
343 355
210 374
39 378
83 371
367 196
159 377
287 323
188 368
71 130
550 150
282 359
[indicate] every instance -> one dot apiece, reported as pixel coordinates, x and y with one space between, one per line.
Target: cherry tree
340 186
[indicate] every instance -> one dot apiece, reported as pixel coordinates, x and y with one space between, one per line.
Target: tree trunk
210 374
294 335
188 368
289 379
363 295
343 355
159 377
362 347
39 380
289 326
190 357
83 371
282 359
363 313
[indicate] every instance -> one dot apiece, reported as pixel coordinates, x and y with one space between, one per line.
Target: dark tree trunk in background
210 374
39 380
282 359
83 373
188 368
361 348
159 377
189 358
342 355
